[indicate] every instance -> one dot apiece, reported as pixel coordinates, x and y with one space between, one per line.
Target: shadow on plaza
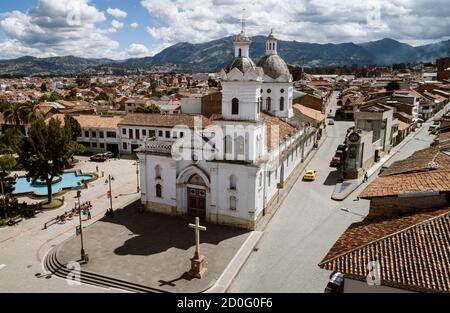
153 233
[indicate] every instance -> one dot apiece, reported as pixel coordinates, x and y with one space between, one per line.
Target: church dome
241 63
274 66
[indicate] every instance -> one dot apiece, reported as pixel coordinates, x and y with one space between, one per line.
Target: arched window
235 106
240 145
282 104
233 182
233 203
228 145
158 191
260 104
158 172
240 52
269 103
260 179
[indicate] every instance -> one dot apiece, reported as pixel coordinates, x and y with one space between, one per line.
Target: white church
229 169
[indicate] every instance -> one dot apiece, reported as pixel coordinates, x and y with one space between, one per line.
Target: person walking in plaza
89 216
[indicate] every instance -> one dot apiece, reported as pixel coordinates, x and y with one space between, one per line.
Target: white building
229 169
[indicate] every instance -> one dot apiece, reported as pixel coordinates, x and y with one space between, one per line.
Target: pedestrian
96 167
366 177
89 216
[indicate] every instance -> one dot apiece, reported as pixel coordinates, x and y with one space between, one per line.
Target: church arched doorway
196 193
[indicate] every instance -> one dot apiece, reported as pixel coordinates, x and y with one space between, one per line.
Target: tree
11 140
47 151
152 108
14 114
393 85
44 87
74 126
7 163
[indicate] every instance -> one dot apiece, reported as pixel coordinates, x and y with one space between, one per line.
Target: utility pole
83 254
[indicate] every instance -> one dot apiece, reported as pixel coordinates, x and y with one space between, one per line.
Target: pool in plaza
68 180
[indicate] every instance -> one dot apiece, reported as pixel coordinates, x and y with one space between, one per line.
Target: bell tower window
282 104
235 106
269 103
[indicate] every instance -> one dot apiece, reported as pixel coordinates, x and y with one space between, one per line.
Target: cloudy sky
121 29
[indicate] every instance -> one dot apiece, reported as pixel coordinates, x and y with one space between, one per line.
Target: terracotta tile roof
413 251
160 120
403 125
285 129
97 121
311 113
419 162
432 181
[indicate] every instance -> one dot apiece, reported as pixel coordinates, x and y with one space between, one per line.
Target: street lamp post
110 195
137 176
4 201
83 253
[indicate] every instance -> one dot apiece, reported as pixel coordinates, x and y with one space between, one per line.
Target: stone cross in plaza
198 267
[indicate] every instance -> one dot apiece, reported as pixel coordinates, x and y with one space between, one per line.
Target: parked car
330 122
330 115
432 128
336 161
343 148
100 157
109 154
310 175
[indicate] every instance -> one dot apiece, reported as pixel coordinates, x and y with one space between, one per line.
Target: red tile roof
413 251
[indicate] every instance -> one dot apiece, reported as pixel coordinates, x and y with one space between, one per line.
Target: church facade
229 169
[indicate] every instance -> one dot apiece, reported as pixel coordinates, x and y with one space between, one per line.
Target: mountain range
215 55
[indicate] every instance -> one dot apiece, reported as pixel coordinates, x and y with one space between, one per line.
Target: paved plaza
153 250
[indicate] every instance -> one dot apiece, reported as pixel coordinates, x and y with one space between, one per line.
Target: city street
308 223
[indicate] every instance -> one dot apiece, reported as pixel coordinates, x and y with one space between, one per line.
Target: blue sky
103 28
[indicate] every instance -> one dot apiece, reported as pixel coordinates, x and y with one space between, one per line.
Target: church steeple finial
243 21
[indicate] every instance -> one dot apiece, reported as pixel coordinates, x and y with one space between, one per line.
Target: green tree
47 151
153 108
11 140
14 114
74 126
44 87
7 163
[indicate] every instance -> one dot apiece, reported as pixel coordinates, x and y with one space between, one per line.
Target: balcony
158 147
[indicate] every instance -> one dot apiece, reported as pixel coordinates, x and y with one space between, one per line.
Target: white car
330 122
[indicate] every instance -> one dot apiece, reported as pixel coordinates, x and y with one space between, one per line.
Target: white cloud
116 24
134 25
56 27
137 50
117 13
318 21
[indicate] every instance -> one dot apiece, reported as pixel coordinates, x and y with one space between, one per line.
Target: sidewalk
344 189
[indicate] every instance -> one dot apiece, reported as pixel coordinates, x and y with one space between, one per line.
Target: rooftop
412 251
159 120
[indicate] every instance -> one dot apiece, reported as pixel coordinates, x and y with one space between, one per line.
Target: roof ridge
385 237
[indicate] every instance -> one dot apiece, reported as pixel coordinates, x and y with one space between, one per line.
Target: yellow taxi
310 175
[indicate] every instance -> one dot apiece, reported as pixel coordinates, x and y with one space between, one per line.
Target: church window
269 176
158 172
158 191
282 104
282 90
240 52
235 106
228 145
233 203
269 103
232 182
240 145
260 179
269 90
